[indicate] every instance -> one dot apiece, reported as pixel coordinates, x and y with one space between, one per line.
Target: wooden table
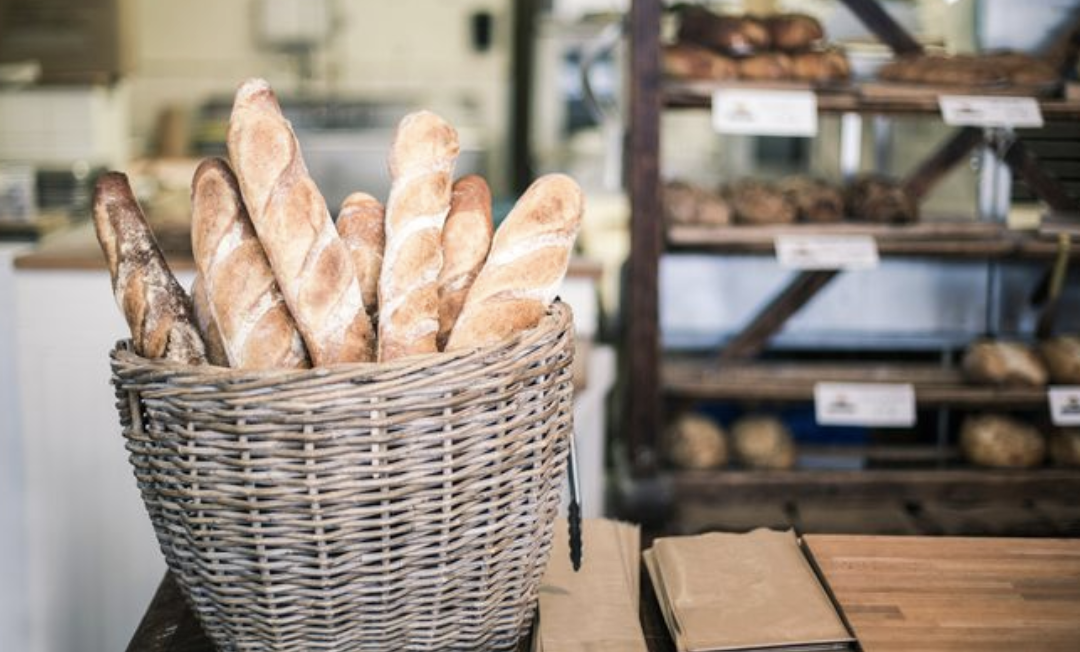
924 594
954 593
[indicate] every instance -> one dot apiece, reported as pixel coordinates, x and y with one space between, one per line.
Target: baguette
156 308
211 334
361 225
422 159
244 300
466 239
309 259
529 256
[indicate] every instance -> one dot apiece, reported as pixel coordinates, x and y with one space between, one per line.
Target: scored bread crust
244 299
157 310
422 158
211 334
466 239
361 225
525 267
309 259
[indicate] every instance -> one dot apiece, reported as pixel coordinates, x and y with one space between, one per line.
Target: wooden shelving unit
654 379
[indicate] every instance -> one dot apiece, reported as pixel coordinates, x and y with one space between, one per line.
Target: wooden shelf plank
789 382
870 98
945 239
956 484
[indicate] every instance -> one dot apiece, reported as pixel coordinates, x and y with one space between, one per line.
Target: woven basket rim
556 318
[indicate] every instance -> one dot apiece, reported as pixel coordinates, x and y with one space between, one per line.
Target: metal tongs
573 512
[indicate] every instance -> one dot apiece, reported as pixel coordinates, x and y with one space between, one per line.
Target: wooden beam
1025 165
884 26
934 168
641 313
754 337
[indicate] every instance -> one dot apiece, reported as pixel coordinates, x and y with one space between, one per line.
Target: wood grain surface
944 594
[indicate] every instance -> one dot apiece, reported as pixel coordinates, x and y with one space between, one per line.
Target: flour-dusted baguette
422 159
157 310
361 225
244 300
211 334
311 263
527 262
466 239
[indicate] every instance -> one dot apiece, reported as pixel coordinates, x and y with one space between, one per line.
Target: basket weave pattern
404 506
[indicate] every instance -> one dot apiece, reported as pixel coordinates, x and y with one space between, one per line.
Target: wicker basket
403 506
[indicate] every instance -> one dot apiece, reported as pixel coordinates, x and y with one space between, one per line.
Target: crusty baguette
422 159
157 309
529 256
244 300
466 239
361 225
211 334
311 263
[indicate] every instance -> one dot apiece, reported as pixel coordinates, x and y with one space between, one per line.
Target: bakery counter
86 555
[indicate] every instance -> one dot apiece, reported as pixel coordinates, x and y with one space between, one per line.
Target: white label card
1065 405
758 112
990 111
888 405
826 252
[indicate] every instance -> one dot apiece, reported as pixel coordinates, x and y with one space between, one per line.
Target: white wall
412 50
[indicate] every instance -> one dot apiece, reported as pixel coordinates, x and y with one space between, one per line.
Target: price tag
889 405
1065 405
826 252
990 111
757 112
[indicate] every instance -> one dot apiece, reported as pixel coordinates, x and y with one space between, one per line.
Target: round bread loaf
687 204
794 32
1012 364
1065 446
694 62
815 200
759 202
732 35
695 441
874 198
763 442
1062 357
767 66
999 441
820 66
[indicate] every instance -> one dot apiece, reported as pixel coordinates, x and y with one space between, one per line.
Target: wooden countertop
947 593
77 249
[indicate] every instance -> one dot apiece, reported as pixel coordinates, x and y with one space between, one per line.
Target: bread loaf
361 224
793 32
759 202
309 260
694 62
874 198
466 239
687 204
763 442
157 310
694 441
1013 364
211 334
244 300
529 256
816 201
820 67
1062 356
422 159
767 66
732 35
999 441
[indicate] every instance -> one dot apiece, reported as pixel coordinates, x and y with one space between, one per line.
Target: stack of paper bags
596 608
743 592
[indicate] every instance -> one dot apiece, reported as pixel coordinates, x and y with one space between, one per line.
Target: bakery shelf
939 239
874 98
953 484
793 382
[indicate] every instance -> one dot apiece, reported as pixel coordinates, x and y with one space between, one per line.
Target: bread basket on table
397 506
